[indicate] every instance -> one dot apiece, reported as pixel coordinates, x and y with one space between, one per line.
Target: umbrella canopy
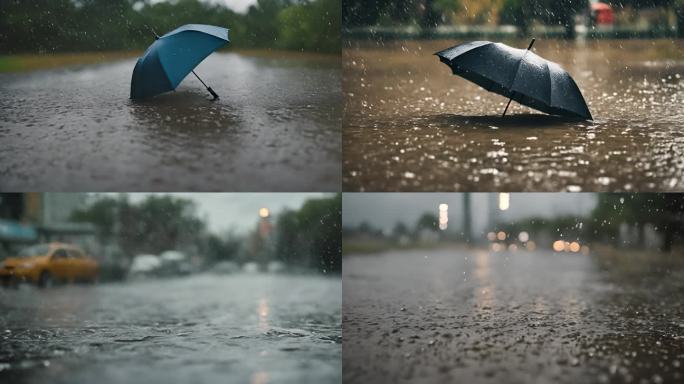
518 74
173 56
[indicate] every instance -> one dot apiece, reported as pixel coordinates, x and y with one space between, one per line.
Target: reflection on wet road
484 317
276 127
411 125
240 328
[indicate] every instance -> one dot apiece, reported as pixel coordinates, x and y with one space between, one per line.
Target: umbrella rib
548 73
515 75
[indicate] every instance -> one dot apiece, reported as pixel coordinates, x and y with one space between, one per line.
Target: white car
175 263
145 265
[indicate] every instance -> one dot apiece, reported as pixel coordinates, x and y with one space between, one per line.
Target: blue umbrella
173 56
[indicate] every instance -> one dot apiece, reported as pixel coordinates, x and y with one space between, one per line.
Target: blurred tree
521 13
480 11
427 221
287 238
513 12
563 12
221 248
365 227
321 222
679 12
104 214
665 211
362 12
446 9
400 230
261 22
311 26
432 15
87 25
311 237
154 225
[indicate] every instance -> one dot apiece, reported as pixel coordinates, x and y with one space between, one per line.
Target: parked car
226 267
175 263
145 265
44 264
251 267
275 267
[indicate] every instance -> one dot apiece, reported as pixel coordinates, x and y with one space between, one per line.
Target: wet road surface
254 329
410 125
469 316
276 127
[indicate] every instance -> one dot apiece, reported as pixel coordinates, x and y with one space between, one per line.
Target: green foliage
513 12
313 26
154 225
97 25
220 248
311 237
663 210
427 221
446 6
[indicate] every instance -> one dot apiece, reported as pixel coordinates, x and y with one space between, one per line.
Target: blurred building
33 217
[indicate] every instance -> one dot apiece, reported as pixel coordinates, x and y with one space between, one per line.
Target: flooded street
246 328
474 316
276 127
410 125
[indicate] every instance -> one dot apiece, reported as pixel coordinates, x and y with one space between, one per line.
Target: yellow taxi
44 264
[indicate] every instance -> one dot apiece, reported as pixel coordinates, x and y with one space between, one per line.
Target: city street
242 328
475 316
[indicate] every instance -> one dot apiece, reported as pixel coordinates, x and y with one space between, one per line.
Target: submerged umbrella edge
138 73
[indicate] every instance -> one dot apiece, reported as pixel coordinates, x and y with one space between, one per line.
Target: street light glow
264 213
558 245
443 216
504 201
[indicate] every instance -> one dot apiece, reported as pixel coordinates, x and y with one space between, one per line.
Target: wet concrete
410 125
276 127
245 328
474 316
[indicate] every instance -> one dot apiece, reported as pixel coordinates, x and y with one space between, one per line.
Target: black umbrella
518 74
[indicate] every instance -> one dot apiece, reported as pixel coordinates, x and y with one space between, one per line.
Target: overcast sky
236 5
237 211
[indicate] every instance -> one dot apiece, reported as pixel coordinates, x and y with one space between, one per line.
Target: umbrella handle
216 96
509 103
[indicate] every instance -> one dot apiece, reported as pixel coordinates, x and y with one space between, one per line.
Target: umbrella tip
531 42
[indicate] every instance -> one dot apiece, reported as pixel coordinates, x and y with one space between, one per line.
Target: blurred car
275 267
250 267
144 265
44 264
226 267
175 263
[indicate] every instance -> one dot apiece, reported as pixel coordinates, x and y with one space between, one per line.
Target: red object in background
603 13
